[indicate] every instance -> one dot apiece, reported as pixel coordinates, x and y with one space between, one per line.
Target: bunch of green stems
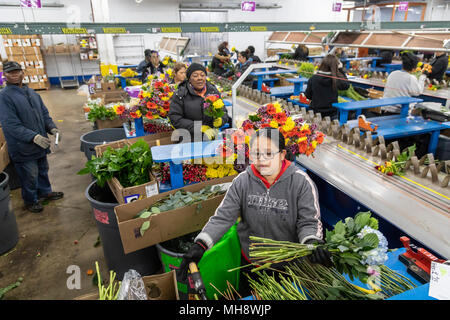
393 283
112 290
271 287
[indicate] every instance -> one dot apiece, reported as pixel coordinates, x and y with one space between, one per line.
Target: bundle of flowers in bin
300 136
97 111
168 61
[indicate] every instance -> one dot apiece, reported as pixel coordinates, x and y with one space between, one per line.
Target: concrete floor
53 232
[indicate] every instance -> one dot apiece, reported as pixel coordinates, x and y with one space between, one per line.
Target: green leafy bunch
348 246
179 199
306 70
129 164
100 112
352 94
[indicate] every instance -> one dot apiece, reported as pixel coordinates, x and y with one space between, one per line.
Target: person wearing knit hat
186 105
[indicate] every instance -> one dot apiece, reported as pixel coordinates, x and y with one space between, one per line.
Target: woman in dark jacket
187 105
322 88
154 66
222 57
240 68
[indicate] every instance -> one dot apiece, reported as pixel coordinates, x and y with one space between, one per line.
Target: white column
105 41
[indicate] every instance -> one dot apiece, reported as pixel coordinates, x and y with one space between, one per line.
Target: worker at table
301 53
386 57
251 55
402 83
438 66
322 88
179 73
186 105
220 59
153 66
143 64
240 68
274 200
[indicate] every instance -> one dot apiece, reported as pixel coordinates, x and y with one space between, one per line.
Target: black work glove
194 254
320 255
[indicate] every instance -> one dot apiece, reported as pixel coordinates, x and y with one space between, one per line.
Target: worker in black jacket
221 59
438 66
240 68
26 124
187 105
251 55
322 88
154 66
301 53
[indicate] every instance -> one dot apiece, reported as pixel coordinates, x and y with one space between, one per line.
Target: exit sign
248 5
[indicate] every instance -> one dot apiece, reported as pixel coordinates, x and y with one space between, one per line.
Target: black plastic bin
91 139
144 261
9 233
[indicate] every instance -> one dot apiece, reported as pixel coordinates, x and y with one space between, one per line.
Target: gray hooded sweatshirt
287 211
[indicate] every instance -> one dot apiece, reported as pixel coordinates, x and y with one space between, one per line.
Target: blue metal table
264 74
298 84
269 81
206 61
373 59
312 58
176 153
394 127
389 67
345 107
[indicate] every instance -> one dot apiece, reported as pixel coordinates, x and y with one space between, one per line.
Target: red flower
302 146
390 173
280 118
151 105
158 84
134 115
320 137
120 110
248 126
271 109
149 115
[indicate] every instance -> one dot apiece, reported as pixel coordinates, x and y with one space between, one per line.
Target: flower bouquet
355 244
213 107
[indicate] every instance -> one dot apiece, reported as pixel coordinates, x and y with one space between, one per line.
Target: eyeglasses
265 155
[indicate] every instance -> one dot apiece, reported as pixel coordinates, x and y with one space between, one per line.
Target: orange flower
320 137
134 115
120 110
149 115
280 118
90 272
302 146
152 105
212 98
309 150
271 109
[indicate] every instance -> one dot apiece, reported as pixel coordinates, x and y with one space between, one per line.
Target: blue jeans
33 176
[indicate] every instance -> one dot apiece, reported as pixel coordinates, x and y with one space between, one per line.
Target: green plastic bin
213 267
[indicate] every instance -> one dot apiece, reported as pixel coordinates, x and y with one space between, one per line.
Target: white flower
378 255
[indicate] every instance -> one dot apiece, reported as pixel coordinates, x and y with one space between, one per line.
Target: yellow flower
247 139
211 173
274 123
218 104
162 76
301 139
169 72
278 108
165 98
289 125
210 54
220 172
314 144
305 127
165 62
138 113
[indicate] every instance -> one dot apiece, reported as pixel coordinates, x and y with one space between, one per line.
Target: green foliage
130 165
100 112
351 93
306 70
179 199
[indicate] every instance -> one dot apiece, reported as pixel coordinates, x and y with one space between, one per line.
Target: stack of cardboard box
26 50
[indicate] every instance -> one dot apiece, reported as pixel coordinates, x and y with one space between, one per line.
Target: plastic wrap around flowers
300 136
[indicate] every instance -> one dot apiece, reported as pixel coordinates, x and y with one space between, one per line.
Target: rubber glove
320 255
194 254
209 132
218 122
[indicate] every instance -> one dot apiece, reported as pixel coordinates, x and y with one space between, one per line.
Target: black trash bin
9 234
91 139
144 261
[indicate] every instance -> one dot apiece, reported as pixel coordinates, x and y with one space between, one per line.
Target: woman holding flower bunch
273 198
188 104
240 68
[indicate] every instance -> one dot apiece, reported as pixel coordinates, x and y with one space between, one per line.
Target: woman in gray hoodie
274 199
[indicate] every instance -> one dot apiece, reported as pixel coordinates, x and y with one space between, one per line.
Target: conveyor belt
412 204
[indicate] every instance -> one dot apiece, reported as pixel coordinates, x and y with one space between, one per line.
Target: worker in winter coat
322 88
187 104
240 68
153 66
438 66
274 199
26 124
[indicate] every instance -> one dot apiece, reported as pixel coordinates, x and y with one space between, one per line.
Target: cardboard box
12 51
74 48
165 225
103 124
164 138
114 96
35 42
162 286
32 50
61 48
108 86
130 194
